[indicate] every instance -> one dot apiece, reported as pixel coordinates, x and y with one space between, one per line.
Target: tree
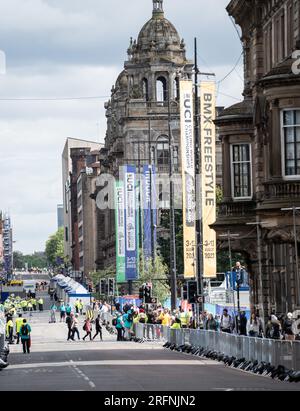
55 248
157 273
164 242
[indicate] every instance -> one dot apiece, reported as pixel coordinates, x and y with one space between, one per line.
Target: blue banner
241 277
131 243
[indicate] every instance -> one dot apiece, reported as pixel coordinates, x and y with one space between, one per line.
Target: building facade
261 155
143 112
67 170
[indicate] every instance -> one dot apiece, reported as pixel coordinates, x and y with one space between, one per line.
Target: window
241 171
291 142
176 89
161 89
162 154
176 159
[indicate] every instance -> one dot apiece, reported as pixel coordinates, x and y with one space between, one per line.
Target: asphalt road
127 369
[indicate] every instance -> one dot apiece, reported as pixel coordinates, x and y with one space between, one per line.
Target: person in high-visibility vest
80 306
34 303
24 305
10 330
76 305
176 325
184 319
41 304
19 322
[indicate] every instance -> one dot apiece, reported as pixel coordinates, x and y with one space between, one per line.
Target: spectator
176 325
253 326
98 328
75 329
62 312
226 322
120 327
288 328
243 323
69 322
211 324
25 337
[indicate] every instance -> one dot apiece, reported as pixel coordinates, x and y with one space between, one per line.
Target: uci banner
120 231
188 176
131 237
208 176
149 211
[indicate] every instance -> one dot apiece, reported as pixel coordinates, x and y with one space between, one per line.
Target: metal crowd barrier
2 331
275 352
152 332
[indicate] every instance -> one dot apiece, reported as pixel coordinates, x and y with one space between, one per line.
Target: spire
158 8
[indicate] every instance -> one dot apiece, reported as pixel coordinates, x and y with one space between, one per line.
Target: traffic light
141 293
103 287
148 294
111 286
192 292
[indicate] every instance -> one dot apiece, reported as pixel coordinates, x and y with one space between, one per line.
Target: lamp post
294 210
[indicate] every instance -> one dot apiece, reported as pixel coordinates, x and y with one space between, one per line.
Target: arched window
161 89
145 89
162 154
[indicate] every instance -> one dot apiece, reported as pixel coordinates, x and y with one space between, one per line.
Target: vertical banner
208 177
147 229
188 177
131 243
120 231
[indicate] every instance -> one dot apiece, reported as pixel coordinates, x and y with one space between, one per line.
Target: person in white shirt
253 326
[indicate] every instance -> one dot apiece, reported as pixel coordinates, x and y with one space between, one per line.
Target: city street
58 365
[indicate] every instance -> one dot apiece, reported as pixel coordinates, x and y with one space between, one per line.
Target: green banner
120 231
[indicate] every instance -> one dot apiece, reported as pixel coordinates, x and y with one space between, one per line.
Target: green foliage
223 263
55 248
96 276
35 260
157 273
164 242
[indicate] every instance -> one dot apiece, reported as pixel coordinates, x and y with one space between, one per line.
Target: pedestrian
98 328
243 323
68 309
75 329
41 304
128 323
19 323
176 325
184 318
25 332
226 322
62 312
77 306
52 314
288 328
80 306
10 330
211 324
253 326
88 329
69 322
119 327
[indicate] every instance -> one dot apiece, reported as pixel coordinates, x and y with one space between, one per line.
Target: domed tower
143 100
143 91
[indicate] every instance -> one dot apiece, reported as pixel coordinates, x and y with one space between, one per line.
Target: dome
158 33
158 39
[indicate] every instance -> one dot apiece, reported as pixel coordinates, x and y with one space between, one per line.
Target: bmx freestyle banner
208 176
188 176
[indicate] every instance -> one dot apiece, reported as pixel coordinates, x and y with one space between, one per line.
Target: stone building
144 101
261 154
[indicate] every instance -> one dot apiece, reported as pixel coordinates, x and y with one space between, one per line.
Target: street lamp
294 210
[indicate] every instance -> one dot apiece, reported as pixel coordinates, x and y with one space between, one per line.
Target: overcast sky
76 48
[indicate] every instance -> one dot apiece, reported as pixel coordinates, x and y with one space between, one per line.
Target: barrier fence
2 330
275 352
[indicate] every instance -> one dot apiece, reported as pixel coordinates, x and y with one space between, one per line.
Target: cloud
73 48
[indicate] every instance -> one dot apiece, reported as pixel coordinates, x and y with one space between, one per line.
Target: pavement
58 365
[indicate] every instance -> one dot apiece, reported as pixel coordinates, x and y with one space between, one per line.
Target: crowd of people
283 328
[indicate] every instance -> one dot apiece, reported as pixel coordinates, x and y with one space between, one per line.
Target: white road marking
118 363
